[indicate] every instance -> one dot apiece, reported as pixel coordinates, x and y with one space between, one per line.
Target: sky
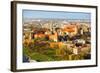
55 14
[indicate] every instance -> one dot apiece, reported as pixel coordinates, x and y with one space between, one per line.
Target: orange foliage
27 42
54 44
39 35
53 37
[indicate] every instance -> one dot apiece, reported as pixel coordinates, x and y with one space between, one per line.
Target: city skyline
33 14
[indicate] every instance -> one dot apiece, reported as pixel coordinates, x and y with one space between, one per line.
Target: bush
26 51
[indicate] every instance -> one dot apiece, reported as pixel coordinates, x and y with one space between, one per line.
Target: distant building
70 29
